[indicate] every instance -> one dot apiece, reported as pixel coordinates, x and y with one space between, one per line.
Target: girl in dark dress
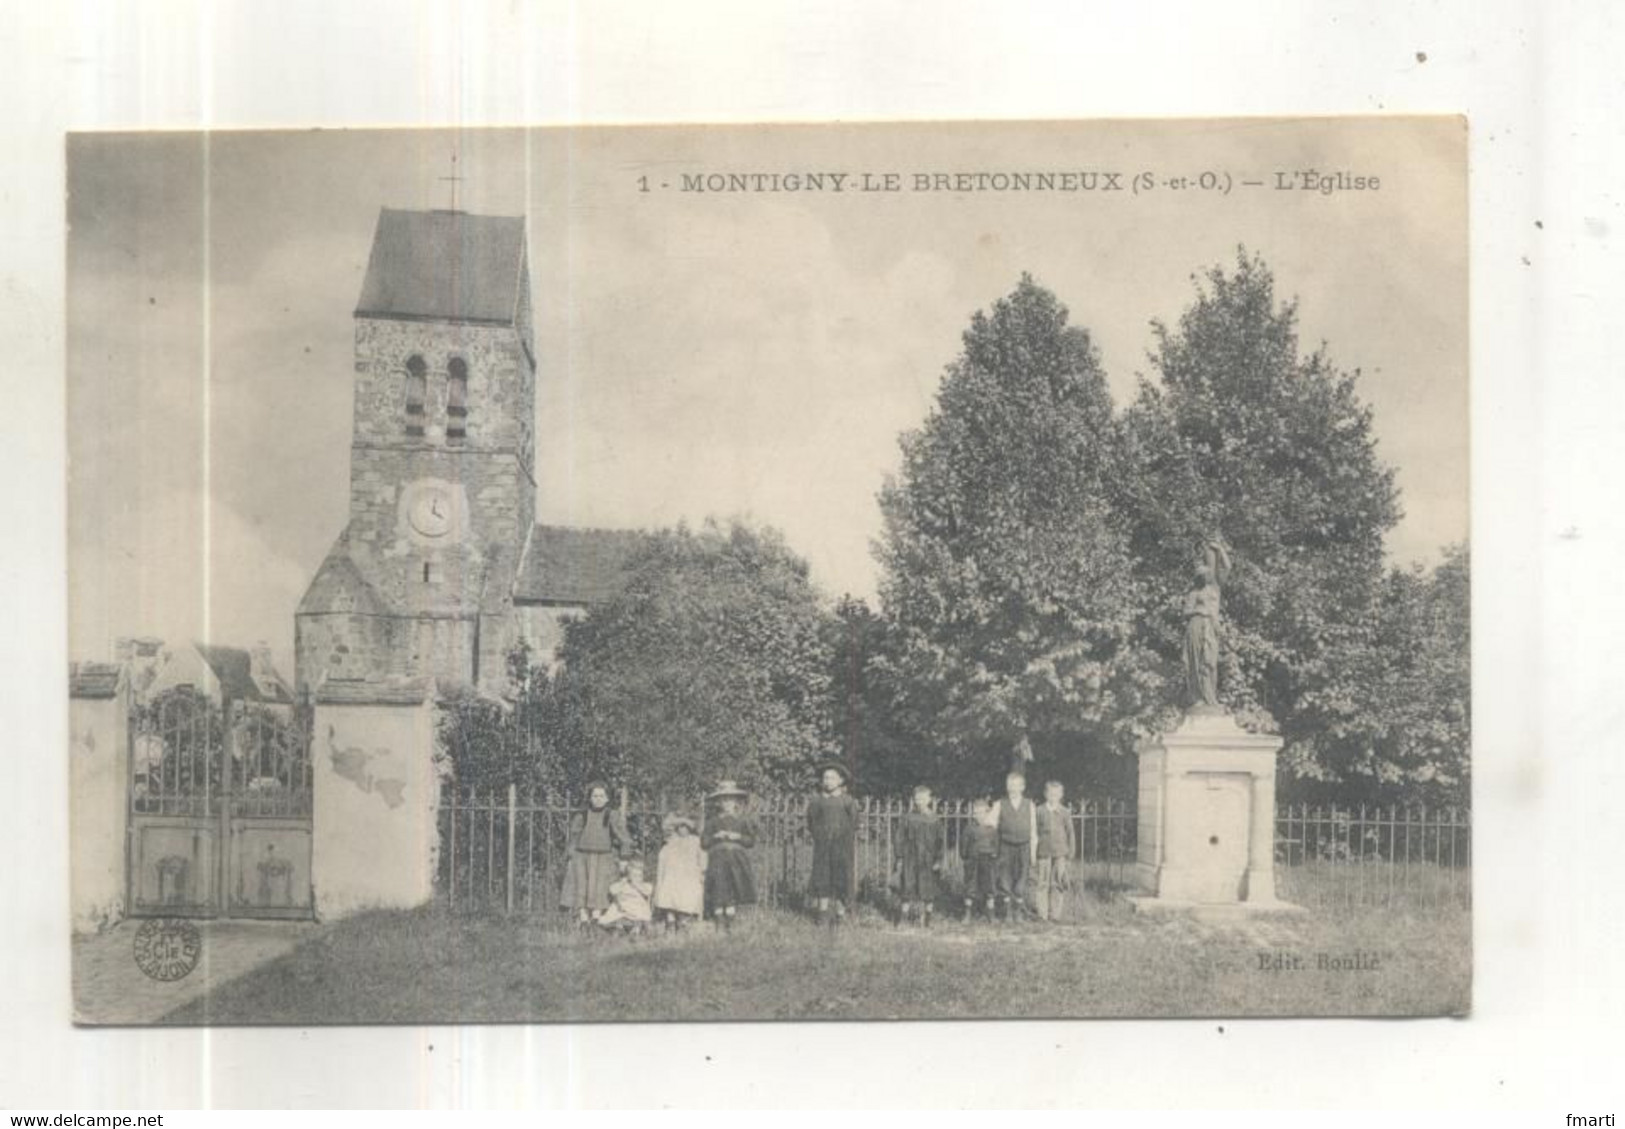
728 839
832 821
598 843
921 844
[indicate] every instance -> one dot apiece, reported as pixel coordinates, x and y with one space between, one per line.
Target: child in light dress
629 909
680 874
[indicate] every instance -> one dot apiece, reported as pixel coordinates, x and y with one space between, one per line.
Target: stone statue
1212 568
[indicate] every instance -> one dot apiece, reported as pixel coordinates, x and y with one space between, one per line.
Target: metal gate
220 803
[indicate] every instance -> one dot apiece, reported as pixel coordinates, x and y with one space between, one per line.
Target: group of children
1017 845
1016 853
604 882
1011 849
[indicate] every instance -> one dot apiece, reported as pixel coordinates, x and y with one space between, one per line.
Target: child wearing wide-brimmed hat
729 835
680 872
832 821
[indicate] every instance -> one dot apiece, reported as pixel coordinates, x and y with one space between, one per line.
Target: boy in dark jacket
979 847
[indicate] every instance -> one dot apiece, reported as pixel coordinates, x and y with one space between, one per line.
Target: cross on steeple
455 180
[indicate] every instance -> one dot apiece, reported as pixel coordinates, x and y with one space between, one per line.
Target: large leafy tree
1409 738
1006 582
713 661
1251 439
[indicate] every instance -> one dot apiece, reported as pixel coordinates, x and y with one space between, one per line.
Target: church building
442 568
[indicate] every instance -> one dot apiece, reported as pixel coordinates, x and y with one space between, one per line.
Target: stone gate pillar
375 838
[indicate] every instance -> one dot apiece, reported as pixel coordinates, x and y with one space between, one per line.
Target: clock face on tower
432 509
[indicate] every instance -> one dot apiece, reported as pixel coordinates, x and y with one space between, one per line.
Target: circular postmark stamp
167 948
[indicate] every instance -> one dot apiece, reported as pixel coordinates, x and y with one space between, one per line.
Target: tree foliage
886 755
1036 549
1247 437
1409 735
1006 582
713 661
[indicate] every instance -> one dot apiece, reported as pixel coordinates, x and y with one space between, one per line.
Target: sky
750 354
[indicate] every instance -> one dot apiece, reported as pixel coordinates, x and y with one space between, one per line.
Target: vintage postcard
917 571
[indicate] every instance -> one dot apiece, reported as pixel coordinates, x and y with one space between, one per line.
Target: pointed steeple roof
445 266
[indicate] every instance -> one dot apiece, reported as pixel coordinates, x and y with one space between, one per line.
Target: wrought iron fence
1328 856
505 851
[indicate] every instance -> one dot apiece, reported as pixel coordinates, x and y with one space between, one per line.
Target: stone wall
98 765
345 646
501 381
375 841
437 607
379 648
494 461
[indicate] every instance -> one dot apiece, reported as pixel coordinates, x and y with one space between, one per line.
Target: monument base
1207 817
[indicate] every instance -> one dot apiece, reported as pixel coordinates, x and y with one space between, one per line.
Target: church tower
420 583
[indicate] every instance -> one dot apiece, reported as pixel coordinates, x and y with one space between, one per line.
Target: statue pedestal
1207 817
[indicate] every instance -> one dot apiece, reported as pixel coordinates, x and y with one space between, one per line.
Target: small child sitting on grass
629 901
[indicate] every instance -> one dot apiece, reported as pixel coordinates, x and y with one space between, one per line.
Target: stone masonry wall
494 465
348 647
433 589
501 382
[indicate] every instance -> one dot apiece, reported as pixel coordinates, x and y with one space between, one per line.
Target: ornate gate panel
220 805
269 806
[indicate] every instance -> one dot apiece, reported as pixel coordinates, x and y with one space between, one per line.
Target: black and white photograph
869 571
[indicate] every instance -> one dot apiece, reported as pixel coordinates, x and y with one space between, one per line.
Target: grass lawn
430 966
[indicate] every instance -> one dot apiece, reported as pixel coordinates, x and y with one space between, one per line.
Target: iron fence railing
1368 855
506 850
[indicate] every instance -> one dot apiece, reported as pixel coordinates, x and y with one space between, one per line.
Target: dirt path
109 987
